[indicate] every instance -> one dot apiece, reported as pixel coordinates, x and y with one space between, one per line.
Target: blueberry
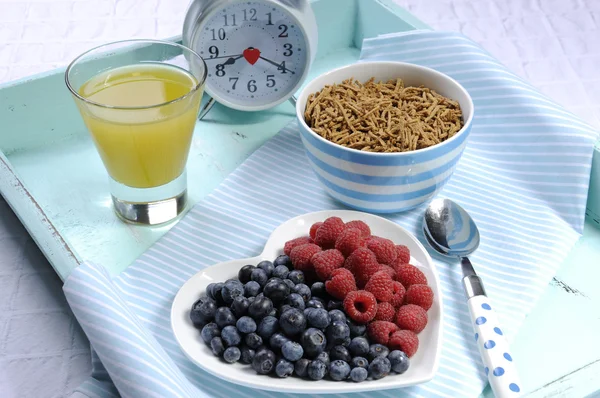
292 351
232 354
295 301
337 332
247 355
324 357
274 313
267 266
303 290
379 367
399 361
224 317
274 279
347 342
377 350
315 303
358 374
359 347
253 340
264 362
316 370
277 341
216 293
240 306
313 341
356 329
340 352
276 291
284 307
251 299
245 272
289 283
292 322
251 289
296 276
281 271
337 315
260 276
301 367
284 368
209 289
231 336
231 290
318 290
203 311
335 305
359 362
267 327
217 346
260 308
339 370
209 331
246 324
318 318
283 260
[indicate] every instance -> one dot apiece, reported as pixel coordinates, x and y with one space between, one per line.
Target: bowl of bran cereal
384 137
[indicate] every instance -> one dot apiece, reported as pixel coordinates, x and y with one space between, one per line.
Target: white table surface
552 43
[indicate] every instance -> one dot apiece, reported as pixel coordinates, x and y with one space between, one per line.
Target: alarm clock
258 52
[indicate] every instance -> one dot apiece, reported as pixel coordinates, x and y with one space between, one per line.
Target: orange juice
142 143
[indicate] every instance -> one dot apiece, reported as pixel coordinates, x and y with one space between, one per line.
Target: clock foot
206 108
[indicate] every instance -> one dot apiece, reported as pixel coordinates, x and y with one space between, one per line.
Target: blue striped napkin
523 176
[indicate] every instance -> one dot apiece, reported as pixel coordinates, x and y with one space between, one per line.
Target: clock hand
276 64
231 60
224 56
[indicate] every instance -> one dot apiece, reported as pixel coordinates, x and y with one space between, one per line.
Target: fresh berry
403 254
318 318
406 341
313 342
209 289
284 368
328 233
277 341
260 276
240 306
359 347
411 317
251 289
203 311
303 290
283 259
384 249
245 272
408 274
385 312
276 291
264 362
292 351
389 270
294 300
399 361
292 322
337 315
313 229
360 362
341 283
281 271
284 307
316 370
302 254
267 266
267 327
363 265
247 355
361 226
290 244
356 329
253 340
359 374
301 367
315 302
289 282
232 354
380 331
381 285
209 331
296 276
398 296
318 290
231 336
326 262
335 305
217 346
420 295
224 317
231 290
339 370
379 367
337 332
323 357
260 308
215 293
349 240
246 324
361 306
377 350
340 352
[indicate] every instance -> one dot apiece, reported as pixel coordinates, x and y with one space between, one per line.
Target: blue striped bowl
385 182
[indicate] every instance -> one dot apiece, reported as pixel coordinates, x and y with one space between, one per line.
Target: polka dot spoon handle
494 349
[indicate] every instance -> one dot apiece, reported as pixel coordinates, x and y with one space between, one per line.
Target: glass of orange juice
139 100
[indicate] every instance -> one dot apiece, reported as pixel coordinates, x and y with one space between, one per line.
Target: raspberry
385 312
408 274
404 340
403 254
327 233
389 270
290 244
341 283
398 296
381 285
360 306
411 317
326 261
363 265
361 225
380 331
384 250
313 229
301 255
348 241
420 295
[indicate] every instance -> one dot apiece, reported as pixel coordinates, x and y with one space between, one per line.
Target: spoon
451 232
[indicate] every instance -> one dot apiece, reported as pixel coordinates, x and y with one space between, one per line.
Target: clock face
255 52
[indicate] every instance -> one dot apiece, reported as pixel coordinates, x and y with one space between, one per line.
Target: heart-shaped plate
423 365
